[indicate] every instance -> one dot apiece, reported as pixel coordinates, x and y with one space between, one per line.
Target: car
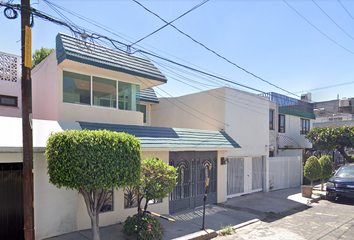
341 184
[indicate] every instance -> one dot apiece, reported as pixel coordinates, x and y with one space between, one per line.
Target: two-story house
83 85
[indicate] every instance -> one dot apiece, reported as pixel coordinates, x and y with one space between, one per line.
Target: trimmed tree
157 180
312 169
326 168
93 162
40 54
330 138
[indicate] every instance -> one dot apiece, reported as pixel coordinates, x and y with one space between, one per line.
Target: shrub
151 228
326 168
312 169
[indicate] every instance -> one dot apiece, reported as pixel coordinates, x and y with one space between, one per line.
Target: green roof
161 137
296 113
75 49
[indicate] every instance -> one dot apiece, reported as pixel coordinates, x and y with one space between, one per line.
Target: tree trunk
311 183
95 228
322 183
344 154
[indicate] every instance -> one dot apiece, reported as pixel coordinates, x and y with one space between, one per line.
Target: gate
244 175
192 176
284 172
11 201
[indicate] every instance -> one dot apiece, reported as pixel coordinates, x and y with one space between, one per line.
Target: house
82 85
242 115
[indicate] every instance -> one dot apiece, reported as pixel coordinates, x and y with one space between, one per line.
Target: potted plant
312 171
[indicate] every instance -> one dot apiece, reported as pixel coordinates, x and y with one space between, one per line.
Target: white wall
292 129
247 119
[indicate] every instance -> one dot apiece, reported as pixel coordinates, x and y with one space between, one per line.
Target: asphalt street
321 220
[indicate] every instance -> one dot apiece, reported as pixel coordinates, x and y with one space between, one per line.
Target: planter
306 191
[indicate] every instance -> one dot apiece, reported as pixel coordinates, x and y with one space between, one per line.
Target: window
108 202
143 110
8 101
281 123
304 126
130 198
76 88
271 119
87 90
104 92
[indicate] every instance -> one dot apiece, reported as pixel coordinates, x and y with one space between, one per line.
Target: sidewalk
234 211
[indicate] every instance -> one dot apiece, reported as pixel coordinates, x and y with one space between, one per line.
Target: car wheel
330 197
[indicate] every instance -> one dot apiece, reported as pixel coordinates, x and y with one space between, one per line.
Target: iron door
192 175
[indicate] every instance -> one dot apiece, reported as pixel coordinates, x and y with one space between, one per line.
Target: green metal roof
148 95
296 113
68 47
160 137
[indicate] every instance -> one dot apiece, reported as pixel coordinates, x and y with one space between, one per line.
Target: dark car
341 184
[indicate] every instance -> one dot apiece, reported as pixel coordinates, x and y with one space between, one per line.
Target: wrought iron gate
11 201
192 176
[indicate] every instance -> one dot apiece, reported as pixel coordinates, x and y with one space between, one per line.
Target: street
321 220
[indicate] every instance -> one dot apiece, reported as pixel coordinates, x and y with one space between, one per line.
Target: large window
143 110
87 90
304 126
281 123
76 88
104 92
108 202
271 119
8 101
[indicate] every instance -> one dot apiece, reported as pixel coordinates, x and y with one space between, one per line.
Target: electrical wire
217 54
345 9
195 7
317 28
332 20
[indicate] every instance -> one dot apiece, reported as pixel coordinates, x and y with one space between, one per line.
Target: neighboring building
10 85
338 112
292 119
86 86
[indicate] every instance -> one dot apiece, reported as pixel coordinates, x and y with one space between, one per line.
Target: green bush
326 168
312 169
151 228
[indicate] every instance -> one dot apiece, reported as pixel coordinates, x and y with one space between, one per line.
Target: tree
312 169
40 54
330 138
157 180
326 168
93 162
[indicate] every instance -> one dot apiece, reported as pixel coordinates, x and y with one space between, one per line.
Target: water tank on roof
306 97
344 102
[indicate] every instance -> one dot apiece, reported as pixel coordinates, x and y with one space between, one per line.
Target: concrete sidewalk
234 211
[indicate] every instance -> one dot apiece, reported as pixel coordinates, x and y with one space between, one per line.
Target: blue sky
267 38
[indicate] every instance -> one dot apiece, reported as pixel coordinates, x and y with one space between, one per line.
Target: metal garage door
192 175
11 201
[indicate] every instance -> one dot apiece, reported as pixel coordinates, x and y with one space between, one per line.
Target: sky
296 45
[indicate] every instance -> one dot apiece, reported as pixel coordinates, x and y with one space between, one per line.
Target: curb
200 235
241 225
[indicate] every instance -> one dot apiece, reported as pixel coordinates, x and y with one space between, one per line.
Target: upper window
271 119
281 123
108 202
304 126
76 88
8 101
143 110
96 91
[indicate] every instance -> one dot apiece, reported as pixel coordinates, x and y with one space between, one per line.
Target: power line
195 7
345 9
326 87
317 28
217 54
332 20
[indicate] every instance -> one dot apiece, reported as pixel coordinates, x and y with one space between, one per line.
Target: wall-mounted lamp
271 148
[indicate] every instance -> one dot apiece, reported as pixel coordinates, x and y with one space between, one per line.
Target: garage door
192 175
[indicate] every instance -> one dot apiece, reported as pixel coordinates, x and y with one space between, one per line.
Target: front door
11 201
192 176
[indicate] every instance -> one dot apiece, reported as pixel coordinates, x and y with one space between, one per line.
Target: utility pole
26 90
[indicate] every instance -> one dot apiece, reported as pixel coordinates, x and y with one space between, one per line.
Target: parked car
341 184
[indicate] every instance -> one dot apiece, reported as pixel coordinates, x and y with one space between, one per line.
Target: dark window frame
281 126
108 205
9 97
304 126
271 119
